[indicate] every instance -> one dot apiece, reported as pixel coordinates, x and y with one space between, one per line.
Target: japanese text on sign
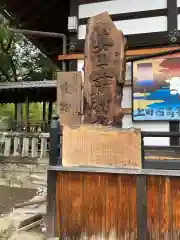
161 112
100 39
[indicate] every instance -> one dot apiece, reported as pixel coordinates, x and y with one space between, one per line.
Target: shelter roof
37 91
28 84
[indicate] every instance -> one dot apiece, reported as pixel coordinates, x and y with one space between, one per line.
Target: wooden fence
14 146
117 204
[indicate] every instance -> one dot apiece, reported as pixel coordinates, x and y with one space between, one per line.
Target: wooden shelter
28 92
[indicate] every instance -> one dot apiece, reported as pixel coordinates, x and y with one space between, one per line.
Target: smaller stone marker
69 97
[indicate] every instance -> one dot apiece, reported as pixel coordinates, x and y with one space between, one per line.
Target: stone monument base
97 145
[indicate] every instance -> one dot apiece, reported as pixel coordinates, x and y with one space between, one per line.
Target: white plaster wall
178 19
131 26
80 65
135 26
127 97
178 3
149 127
120 6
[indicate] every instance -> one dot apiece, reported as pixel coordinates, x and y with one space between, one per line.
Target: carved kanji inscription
104 71
97 145
69 98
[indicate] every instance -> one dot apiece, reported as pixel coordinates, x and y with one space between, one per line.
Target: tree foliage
20 60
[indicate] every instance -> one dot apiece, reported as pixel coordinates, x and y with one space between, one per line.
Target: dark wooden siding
163 208
94 203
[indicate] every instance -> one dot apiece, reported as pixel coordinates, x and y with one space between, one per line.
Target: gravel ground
10 196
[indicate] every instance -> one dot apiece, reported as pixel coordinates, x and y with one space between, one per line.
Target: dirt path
10 196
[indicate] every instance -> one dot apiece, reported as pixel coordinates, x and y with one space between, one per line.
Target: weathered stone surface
104 71
69 97
98 145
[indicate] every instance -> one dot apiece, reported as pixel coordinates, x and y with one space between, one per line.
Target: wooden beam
15 112
50 108
135 52
127 110
44 115
128 83
74 56
141 205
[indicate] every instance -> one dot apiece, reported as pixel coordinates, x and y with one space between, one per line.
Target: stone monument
97 142
104 71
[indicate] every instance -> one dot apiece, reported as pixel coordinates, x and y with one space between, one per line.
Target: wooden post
15 117
49 113
54 159
44 116
104 71
27 114
141 203
19 117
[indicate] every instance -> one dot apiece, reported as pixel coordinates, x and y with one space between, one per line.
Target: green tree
20 60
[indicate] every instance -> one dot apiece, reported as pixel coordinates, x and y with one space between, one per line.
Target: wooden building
149 27
28 92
